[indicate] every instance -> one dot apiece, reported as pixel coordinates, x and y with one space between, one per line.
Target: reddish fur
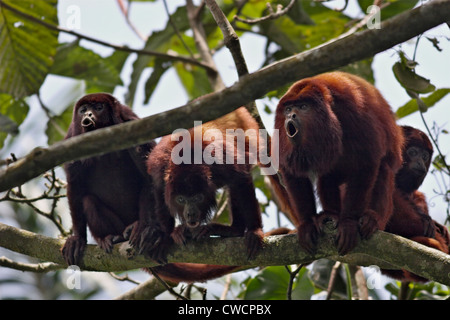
171 179
104 191
347 136
411 217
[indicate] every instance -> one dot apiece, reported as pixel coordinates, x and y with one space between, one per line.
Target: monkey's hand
368 224
178 235
253 241
73 250
308 233
429 227
347 235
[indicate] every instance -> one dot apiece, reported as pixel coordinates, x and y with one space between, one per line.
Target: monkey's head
94 111
417 153
309 131
98 110
190 194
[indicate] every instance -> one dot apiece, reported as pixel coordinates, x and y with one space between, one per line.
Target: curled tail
197 272
191 272
281 198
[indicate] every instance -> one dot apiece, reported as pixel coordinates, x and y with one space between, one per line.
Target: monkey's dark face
418 161
93 116
293 114
415 167
190 209
190 195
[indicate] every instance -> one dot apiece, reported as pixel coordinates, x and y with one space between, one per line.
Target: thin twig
174 26
38 268
202 46
168 288
126 12
292 275
332 281
123 278
271 16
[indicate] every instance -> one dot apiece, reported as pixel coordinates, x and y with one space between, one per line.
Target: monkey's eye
180 200
198 198
288 109
412 152
99 107
82 109
303 106
425 156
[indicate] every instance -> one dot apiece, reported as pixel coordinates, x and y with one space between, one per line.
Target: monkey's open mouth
291 128
192 224
88 122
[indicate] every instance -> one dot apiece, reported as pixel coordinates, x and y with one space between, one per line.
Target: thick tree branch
396 252
253 86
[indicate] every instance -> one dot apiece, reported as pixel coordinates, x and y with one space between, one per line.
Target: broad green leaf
194 80
303 286
410 80
411 106
294 38
26 47
77 62
12 114
57 126
271 283
160 67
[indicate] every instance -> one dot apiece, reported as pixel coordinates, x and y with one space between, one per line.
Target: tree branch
250 87
396 252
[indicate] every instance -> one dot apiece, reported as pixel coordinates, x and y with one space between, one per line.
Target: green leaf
57 126
26 47
293 37
409 79
12 114
194 80
271 283
160 67
411 106
77 62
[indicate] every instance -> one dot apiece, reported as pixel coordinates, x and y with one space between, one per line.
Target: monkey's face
190 194
189 209
416 162
93 116
293 113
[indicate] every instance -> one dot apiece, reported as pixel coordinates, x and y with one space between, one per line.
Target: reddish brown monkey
104 192
186 191
338 129
411 218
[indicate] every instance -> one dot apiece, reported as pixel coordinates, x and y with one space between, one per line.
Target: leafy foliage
31 52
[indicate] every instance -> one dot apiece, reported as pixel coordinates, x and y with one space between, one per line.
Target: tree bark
383 249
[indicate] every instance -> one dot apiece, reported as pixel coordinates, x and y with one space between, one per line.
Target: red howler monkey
186 191
104 192
338 129
411 218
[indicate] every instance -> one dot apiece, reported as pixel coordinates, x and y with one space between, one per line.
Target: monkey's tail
197 272
281 198
191 272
